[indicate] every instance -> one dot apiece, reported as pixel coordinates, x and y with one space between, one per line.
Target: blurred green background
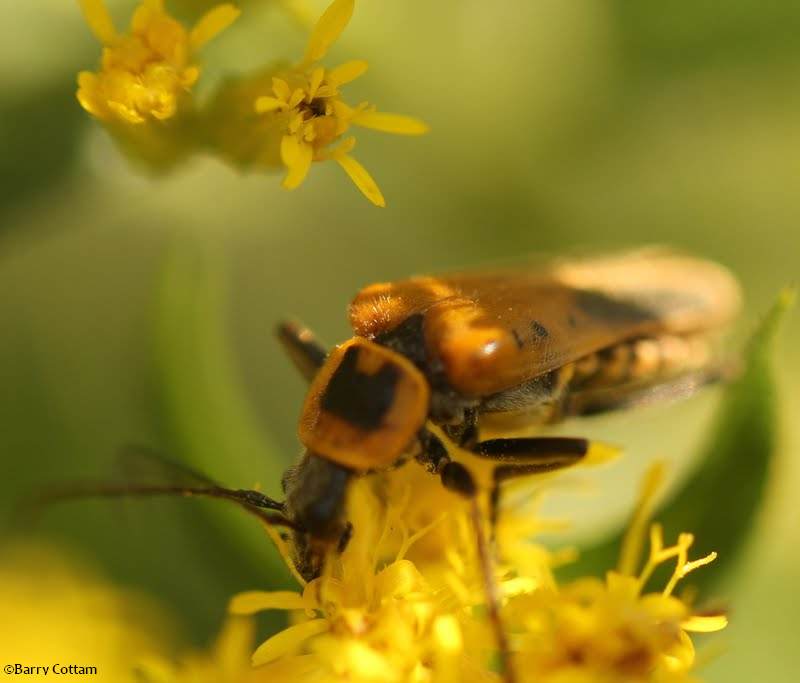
139 309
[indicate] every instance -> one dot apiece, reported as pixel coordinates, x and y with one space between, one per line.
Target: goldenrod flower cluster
393 608
277 117
408 601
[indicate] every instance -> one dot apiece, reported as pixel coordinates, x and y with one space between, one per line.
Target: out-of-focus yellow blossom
301 12
305 107
604 631
369 617
56 612
228 660
611 630
278 117
145 75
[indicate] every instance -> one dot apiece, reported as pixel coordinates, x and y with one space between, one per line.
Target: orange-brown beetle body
487 352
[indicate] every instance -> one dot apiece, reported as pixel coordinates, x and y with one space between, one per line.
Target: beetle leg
548 452
302 347
523 456
457 478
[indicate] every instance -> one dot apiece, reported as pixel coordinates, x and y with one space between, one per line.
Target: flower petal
345 147
362 179
295 668
314 82
448 648
357 660
349 71
214 21
329 27
281 89
250 602
99 20
633 541
88 88
287 640
398 579
296 98
390 123
232 646
705 623
296 156
266 104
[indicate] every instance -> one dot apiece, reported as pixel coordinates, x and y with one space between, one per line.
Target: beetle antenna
253 502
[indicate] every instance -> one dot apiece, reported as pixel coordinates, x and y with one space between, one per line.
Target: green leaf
719 501
209 421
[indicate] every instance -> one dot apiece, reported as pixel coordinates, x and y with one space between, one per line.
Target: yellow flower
305 104
58 612
368 617
228 660
145 75
611 630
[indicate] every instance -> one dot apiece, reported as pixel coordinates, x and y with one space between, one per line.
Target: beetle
469 358
487 352
455 357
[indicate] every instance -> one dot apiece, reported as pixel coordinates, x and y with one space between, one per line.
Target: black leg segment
535 450
305 352
526 456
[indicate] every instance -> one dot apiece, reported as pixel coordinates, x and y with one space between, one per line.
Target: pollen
146 74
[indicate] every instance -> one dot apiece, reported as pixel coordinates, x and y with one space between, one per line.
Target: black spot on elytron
358 398
517 338
605 308
539 330
572 321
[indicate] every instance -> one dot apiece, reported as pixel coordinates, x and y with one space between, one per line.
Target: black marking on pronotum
530 449
517 338
605 308
539 330
361 399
